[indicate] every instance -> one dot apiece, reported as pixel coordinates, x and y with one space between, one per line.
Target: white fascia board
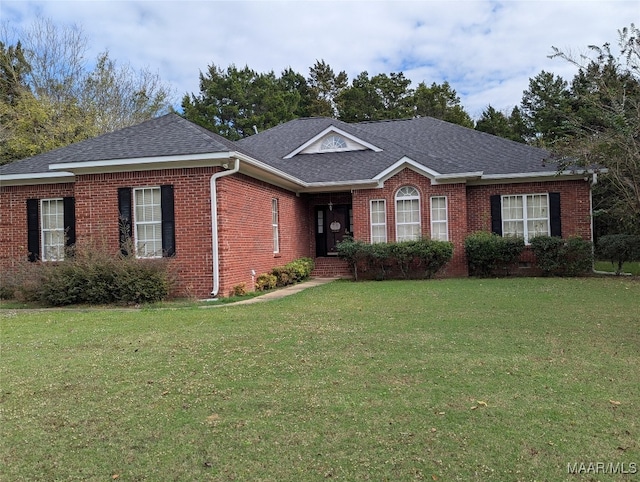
401 164
141 162
540 176
337 131
36 178
267 168
340 186
457 177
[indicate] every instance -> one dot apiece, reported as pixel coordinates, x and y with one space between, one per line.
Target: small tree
619 248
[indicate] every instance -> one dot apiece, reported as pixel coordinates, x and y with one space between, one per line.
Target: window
378 221
52 225
439 223
525 216
147 219
407 214
274 225
333 143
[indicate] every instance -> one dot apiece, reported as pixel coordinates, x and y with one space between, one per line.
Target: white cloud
487 50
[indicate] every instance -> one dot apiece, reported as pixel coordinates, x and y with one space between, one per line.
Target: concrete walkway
280 293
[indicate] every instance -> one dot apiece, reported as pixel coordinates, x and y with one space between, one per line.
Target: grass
630 267
507 379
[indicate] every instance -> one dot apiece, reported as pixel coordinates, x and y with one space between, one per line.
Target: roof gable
332 139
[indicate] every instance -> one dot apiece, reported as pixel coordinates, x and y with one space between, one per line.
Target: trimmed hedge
562 257
489 254
422 258
619 248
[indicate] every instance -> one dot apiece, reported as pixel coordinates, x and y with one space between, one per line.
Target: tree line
49 98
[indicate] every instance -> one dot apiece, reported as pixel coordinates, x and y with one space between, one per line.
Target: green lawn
467 379
630 267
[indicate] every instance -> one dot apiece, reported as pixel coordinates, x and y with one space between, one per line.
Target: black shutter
554 214
125 228
33 229
70 220
496 214
168 221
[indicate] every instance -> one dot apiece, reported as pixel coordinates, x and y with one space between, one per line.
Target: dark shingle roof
440 146
169 135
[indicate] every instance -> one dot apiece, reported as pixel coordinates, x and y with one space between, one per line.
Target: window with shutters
525 216
52 229
408 226
147 220
378 221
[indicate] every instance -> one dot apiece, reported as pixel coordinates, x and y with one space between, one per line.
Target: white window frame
142 242
526 220
439 222
52 235
274 225
403 196
382 226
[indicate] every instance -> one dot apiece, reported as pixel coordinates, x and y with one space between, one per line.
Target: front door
333 223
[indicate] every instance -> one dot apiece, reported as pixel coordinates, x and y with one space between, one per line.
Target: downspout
214 223
594 181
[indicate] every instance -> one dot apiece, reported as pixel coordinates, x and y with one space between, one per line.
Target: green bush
300 269
266 281
619 248
562 257
293 272
94 276
421 258
354 253
489 254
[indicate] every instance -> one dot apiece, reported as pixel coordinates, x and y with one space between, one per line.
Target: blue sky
487 50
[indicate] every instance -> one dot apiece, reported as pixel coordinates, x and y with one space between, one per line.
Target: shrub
432 256
489 254
562 257
420 258
95 276
354 253
300 269
294 271
619 248
266 281
239 290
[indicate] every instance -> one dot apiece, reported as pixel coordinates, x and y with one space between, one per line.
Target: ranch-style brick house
225 212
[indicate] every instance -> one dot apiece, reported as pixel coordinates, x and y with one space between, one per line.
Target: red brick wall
244 218
97 218
245 229
13 218
469 209
456 204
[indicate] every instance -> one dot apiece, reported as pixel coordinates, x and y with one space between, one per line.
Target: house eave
542 176
341 186
144 163
36 178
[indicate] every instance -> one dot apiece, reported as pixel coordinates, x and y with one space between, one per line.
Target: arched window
408 226
332 143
